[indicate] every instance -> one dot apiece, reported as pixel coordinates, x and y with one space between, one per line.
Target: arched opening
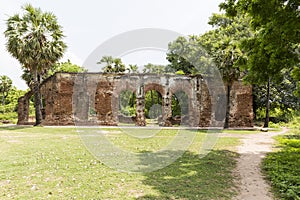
127 107
153 107
180 108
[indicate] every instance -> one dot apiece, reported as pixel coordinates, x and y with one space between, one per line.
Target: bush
11 116
128 111
282 167
274 125
277 115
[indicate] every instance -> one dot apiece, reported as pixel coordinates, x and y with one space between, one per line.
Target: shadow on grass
192 177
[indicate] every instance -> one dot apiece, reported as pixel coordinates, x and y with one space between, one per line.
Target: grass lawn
241 132
42 162
282 167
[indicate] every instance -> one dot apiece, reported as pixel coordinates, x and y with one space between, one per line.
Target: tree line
252 40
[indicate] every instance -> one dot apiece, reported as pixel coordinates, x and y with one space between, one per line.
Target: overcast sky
87 24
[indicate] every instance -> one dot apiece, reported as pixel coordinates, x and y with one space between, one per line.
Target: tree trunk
152 100
132 100
267 119
37 99
226 124
3 100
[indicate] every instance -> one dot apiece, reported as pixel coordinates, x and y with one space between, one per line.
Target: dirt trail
252 185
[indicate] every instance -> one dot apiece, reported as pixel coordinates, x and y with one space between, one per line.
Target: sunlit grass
42 162
282 167
241 131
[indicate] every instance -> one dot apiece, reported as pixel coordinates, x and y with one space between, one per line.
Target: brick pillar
167 109
23 108
82 106
140 107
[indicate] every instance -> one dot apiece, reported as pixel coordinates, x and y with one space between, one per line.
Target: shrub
282 167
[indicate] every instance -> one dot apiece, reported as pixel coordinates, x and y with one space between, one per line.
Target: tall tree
188 56
222 43
5 87
35 40
275 44
177 55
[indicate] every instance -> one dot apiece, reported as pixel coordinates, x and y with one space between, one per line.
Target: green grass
240 131
282 168
42 162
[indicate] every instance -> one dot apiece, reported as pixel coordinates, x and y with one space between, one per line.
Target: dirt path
252 185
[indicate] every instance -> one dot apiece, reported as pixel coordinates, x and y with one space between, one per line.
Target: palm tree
35 40
133 68
108 64
112 65
119 66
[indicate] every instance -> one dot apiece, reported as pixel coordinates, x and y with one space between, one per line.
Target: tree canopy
65 67
275 44
5 87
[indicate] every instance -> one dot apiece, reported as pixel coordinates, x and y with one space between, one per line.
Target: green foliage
133 68
153 104
296 75
180 104
9 116
188 56
128 111
273 48
127 103
220 46
112 65
5 87
35 39
57 67
223 44
152 68
12 100
65 67
282 167
277 115
180 72
275 43
282 100
9 110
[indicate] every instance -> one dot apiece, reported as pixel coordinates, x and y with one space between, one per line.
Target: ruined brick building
93 98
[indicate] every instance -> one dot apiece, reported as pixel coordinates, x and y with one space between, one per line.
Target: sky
88 24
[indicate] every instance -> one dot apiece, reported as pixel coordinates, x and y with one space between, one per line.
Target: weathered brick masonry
92 99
